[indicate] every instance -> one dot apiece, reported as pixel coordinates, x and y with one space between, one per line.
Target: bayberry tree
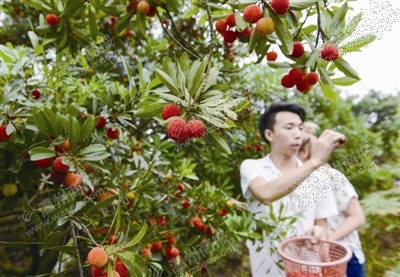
119 120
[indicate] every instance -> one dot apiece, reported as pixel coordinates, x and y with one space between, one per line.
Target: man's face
287 135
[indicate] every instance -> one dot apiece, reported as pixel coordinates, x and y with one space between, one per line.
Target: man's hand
322 147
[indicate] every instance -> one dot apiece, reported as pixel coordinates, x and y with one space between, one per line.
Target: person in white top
281 179
343 227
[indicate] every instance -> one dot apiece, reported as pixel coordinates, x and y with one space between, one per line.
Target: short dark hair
267 119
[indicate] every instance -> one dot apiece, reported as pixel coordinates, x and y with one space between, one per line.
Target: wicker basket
301 258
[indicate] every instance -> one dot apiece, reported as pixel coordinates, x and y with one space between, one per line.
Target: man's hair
267 119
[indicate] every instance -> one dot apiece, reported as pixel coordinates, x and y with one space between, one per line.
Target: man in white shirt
281 178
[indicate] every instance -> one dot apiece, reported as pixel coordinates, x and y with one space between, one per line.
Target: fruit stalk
78 256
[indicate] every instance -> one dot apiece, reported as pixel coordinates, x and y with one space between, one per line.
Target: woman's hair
312 127
306 146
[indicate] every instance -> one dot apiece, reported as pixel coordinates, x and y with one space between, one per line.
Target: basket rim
346 258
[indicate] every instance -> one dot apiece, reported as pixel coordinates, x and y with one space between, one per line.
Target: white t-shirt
318 203
344 192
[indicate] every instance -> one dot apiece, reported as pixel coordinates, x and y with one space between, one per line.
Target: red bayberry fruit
298 50
177 130
3 133
222 212
196 220
180 186
97 257
36 94
113 239
132 6
43 163
146 252
280 6
272 56
200 208
127 34
252 13
121 269
170 110
113 133
221 26
174 252
296 74
96 271
330 52
287 82
59 166
101 121
229 36
162 220
302 86
57 177
157 246
196 128
265 26
311 78
52 19
143 7
72 179
186 204
152 12
230 20
172 240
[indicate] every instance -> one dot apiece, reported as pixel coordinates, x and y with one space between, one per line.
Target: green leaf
344 81
167 81
325 78
95 156
279 65
94 31
55 237
198 77
338 18
313 57
136 239
282 32
351 27
218 141
328 92
262 48
19 243
39 153
253 41
298 5
345 67
150 110
128 258
358 43
88 127
240 23
73 129
123 23
93 148
72 7
101 204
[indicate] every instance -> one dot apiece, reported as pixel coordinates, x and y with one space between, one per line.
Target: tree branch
175 40
77 249
320 31
298 31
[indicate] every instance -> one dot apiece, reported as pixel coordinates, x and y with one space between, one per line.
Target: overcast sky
378 64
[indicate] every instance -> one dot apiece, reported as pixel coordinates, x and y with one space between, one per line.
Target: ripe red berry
72 179
170 110
174 252
152 12
296 74
200 226
101 121
177 130
271 56
57 177
196 128
221 26
157 246
180 186
162 220
121 269
298 50
229 36
209 231
280 6
244 36
113 133
230 20
252 13
200 208
44 163
330 52
146 252
311 78
287 82
222 212
127 34
97 257
132 6
36 94
302 86
143 7
96 271
52 19
113 239
3 133
196 221
186 204
59 166
172 240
